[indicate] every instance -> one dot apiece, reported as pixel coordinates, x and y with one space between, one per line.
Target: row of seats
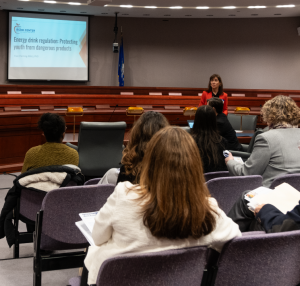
242 261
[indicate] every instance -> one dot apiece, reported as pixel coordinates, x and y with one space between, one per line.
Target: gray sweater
275 153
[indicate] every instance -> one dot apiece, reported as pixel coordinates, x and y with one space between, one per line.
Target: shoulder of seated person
34 149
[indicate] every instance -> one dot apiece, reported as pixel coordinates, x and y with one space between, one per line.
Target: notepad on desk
86 225
284 197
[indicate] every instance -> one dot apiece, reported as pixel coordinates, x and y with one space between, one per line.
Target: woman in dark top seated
143 130
211 145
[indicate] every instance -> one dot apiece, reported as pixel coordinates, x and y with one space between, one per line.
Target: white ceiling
189 10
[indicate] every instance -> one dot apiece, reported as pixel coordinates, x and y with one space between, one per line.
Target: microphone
112 113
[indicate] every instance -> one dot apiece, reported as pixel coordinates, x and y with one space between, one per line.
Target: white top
119 229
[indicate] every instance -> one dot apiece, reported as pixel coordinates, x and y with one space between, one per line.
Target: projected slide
48 47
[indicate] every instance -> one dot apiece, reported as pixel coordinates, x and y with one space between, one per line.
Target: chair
213 175
171 267
99 147
227 190
291 179
92 182
247 148
28 204
260 259
56 229
249 121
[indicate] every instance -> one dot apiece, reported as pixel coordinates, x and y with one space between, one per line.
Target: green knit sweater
49 154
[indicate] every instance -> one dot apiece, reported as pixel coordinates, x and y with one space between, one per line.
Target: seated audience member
211 145
143 130
277 151
273 220
224 127
53 152
171 208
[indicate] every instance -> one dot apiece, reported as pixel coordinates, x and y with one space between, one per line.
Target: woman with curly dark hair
276 152
143 130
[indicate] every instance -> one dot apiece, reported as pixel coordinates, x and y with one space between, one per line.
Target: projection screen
48 47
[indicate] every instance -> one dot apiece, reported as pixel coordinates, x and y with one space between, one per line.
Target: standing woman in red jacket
215 89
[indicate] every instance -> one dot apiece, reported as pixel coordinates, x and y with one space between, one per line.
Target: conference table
243 136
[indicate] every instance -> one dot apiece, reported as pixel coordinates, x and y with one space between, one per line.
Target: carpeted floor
19 272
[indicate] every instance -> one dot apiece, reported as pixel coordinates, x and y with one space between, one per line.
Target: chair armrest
245 147
72 146
243 155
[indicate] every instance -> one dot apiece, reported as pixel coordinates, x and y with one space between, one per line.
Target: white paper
252 194
85 231
89 219
284 198
238 131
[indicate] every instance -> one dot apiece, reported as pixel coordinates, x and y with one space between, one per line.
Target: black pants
242 216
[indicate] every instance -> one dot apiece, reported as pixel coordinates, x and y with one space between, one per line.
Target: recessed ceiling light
257 7
229 7
176 7
202 7
74 3
286 6
126 6
151 7
50 2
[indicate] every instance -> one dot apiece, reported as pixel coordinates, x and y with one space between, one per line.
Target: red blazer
205 96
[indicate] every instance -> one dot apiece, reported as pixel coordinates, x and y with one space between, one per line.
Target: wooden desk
19 130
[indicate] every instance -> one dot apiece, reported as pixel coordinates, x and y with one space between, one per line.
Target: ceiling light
50 2
202 7
151 7
285 6
176 7
74 3
257 7
126 6
229 7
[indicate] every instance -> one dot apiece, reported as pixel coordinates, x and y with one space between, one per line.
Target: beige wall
262 53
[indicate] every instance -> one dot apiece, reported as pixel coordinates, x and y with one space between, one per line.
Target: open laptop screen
190 123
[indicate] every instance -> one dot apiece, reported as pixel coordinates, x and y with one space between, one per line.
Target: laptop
190 123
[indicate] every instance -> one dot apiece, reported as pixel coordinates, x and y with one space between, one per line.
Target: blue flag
121 65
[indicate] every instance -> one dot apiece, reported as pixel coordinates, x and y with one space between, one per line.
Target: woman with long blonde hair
171 207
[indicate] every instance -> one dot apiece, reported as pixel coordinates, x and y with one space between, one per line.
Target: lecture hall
149 142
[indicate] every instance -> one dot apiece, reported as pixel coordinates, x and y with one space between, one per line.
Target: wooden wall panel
19 130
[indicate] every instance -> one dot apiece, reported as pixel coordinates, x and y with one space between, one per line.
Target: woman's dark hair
217 103
221 83
205 133
143 130
173 193
53 126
